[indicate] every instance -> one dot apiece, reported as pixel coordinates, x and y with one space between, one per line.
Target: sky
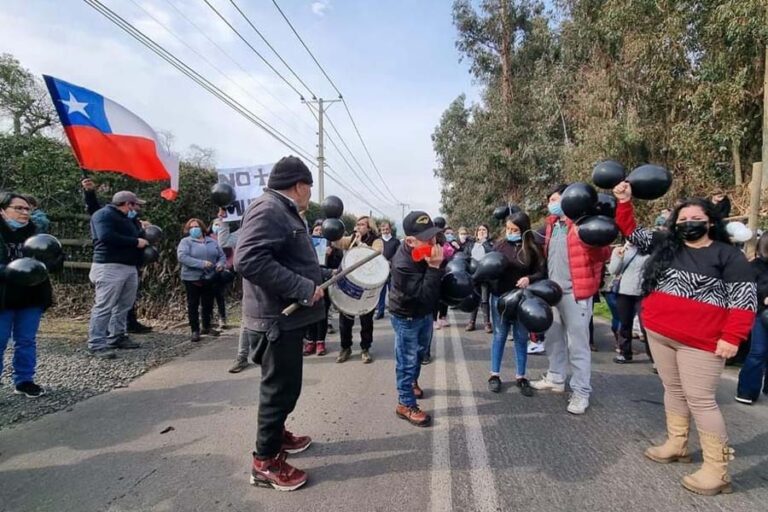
395 62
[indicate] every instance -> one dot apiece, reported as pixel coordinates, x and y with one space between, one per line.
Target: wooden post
755 190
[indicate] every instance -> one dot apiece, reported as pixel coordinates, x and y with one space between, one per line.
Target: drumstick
293 307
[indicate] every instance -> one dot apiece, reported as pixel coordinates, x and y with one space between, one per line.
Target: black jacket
415 287
390 247
760 267
115 237
17 297
516 269
276 258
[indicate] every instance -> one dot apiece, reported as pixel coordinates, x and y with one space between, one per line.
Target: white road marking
442 496
486 497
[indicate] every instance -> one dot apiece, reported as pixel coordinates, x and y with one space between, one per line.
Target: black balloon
223 195
333 229
535 314
45 248
333 207
578 200
153 234
501 212
472 266
508 303
547 290
439 222
606 205
456 265
598 231
455 287
26 272
470 303
607 174
490 267
649 181
150 255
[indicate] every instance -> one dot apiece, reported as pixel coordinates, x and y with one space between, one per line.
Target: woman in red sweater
700 304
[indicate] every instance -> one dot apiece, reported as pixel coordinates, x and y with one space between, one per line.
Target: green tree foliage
673 82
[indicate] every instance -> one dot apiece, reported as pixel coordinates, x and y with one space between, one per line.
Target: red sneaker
321 348
276 473
295 444
309 348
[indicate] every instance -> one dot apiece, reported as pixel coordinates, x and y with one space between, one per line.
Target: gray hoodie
193 255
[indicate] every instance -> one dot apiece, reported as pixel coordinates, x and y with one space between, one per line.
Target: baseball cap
125 196
420 225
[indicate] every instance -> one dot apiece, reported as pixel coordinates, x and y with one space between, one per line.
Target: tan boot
675 448
713 477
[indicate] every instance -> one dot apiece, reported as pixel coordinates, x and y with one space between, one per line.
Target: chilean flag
106 136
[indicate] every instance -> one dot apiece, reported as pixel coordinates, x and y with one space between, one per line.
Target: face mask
514 238
450 238
462 238
15 224
216 229
195 232
386 238
555 209
692 230
132 214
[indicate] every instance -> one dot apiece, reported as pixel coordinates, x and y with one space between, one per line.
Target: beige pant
690 377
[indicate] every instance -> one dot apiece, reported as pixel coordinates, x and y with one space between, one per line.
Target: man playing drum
365 235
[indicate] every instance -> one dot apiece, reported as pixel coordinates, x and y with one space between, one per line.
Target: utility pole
322 106
403 206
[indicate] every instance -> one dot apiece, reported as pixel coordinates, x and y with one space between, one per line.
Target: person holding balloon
700 305
525 265
21 305
477 251
578 268
201 259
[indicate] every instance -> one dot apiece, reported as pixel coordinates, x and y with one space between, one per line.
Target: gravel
70 375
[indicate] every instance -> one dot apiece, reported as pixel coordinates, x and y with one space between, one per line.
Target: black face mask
692 230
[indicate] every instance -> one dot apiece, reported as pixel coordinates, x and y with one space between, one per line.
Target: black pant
317 331
628 307
484 297
199 292
441 311
346 323
281 372
221 302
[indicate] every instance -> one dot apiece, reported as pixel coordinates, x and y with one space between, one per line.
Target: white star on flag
75 106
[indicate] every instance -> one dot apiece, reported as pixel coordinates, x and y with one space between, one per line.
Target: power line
307 48
272 48
341 96
289 84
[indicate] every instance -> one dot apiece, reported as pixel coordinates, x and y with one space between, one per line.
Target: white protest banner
248 182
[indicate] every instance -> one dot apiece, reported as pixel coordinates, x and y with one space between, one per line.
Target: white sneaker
535 348
545 384
578 404
437 326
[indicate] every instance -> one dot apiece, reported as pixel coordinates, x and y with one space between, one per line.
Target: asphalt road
485 452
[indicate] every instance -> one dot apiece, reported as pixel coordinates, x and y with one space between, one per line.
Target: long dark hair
666 246
530 253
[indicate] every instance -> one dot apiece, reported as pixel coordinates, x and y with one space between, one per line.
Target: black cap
287 172
420 225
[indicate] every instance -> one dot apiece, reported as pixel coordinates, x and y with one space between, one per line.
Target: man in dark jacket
92 205
117 250
415 291
276 258
391 244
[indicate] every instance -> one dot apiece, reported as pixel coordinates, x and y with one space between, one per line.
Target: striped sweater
707 294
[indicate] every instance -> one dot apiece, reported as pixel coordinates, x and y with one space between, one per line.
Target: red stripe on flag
99 151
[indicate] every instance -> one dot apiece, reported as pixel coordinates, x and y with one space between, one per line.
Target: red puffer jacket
586 262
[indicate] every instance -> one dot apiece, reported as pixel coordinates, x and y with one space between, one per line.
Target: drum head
371 275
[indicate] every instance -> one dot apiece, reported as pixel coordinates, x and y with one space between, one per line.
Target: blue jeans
500 332
412 336
751 374
22 324
610 299
382 299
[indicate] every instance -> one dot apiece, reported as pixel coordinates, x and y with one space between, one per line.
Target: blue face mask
195 232
555 209
514 238
132 214
216 229
450 238
15 224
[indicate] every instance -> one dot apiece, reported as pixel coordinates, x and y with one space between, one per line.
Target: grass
601 310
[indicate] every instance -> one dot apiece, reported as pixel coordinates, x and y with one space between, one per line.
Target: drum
358 293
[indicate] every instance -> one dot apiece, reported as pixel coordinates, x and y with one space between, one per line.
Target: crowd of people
693 293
